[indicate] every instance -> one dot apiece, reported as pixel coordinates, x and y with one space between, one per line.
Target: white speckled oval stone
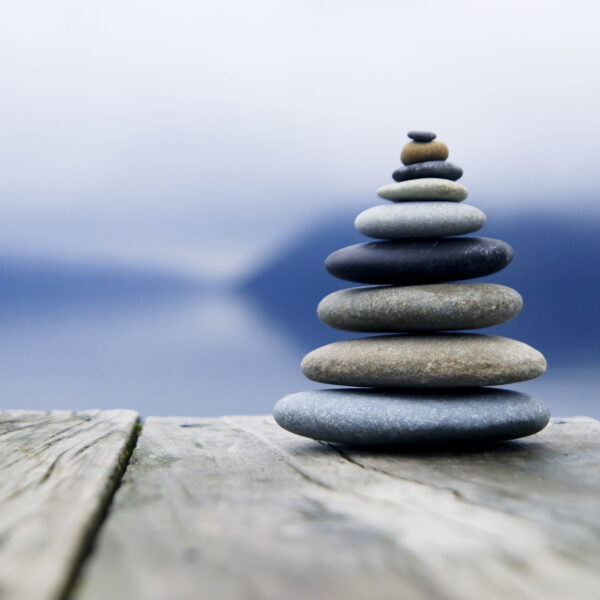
430 417
413 220
428 188
438 360
447 306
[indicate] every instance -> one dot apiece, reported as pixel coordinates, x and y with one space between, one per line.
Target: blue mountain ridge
33 286
556 269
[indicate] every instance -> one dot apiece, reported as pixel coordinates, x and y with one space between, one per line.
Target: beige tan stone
415 152
440 360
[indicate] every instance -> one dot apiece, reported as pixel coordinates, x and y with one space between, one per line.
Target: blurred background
174 174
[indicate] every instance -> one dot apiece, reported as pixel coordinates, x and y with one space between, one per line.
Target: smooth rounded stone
433 417
416 152
431 168
428 188
421 136
445 306
412 262
432 360
413 220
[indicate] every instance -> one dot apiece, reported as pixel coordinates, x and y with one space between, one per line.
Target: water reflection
207 354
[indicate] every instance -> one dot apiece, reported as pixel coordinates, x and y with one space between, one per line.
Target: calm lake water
201 354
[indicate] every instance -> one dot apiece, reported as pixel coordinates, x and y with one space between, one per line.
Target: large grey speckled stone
446 306
427 188
413 220
431 168
438 360
376 417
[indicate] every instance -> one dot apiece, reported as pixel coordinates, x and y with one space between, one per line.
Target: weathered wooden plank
59 469
238 508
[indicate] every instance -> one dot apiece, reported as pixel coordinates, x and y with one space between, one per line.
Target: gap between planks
60 470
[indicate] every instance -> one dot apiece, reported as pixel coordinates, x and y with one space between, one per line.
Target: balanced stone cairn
422 384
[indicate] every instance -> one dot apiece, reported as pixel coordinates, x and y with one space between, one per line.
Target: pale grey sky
199 135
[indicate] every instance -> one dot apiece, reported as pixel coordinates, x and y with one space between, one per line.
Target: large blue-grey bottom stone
367 417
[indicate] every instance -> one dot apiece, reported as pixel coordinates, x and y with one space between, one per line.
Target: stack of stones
420 383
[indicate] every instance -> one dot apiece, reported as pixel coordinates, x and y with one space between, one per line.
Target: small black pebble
421 136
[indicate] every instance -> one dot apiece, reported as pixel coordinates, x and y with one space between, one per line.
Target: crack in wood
112 485
60 472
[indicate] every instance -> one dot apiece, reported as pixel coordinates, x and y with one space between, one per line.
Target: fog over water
200 136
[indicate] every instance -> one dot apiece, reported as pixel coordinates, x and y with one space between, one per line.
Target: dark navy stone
431 168
410 262
421 136
368 417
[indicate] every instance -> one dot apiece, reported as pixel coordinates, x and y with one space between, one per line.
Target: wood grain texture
59 469
236 507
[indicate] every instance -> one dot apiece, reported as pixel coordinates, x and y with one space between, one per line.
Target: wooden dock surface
236 507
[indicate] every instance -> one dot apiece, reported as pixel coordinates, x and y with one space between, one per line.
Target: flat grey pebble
427 188
436 417
413 220
446 306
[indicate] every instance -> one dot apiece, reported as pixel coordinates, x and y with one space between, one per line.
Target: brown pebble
416 152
